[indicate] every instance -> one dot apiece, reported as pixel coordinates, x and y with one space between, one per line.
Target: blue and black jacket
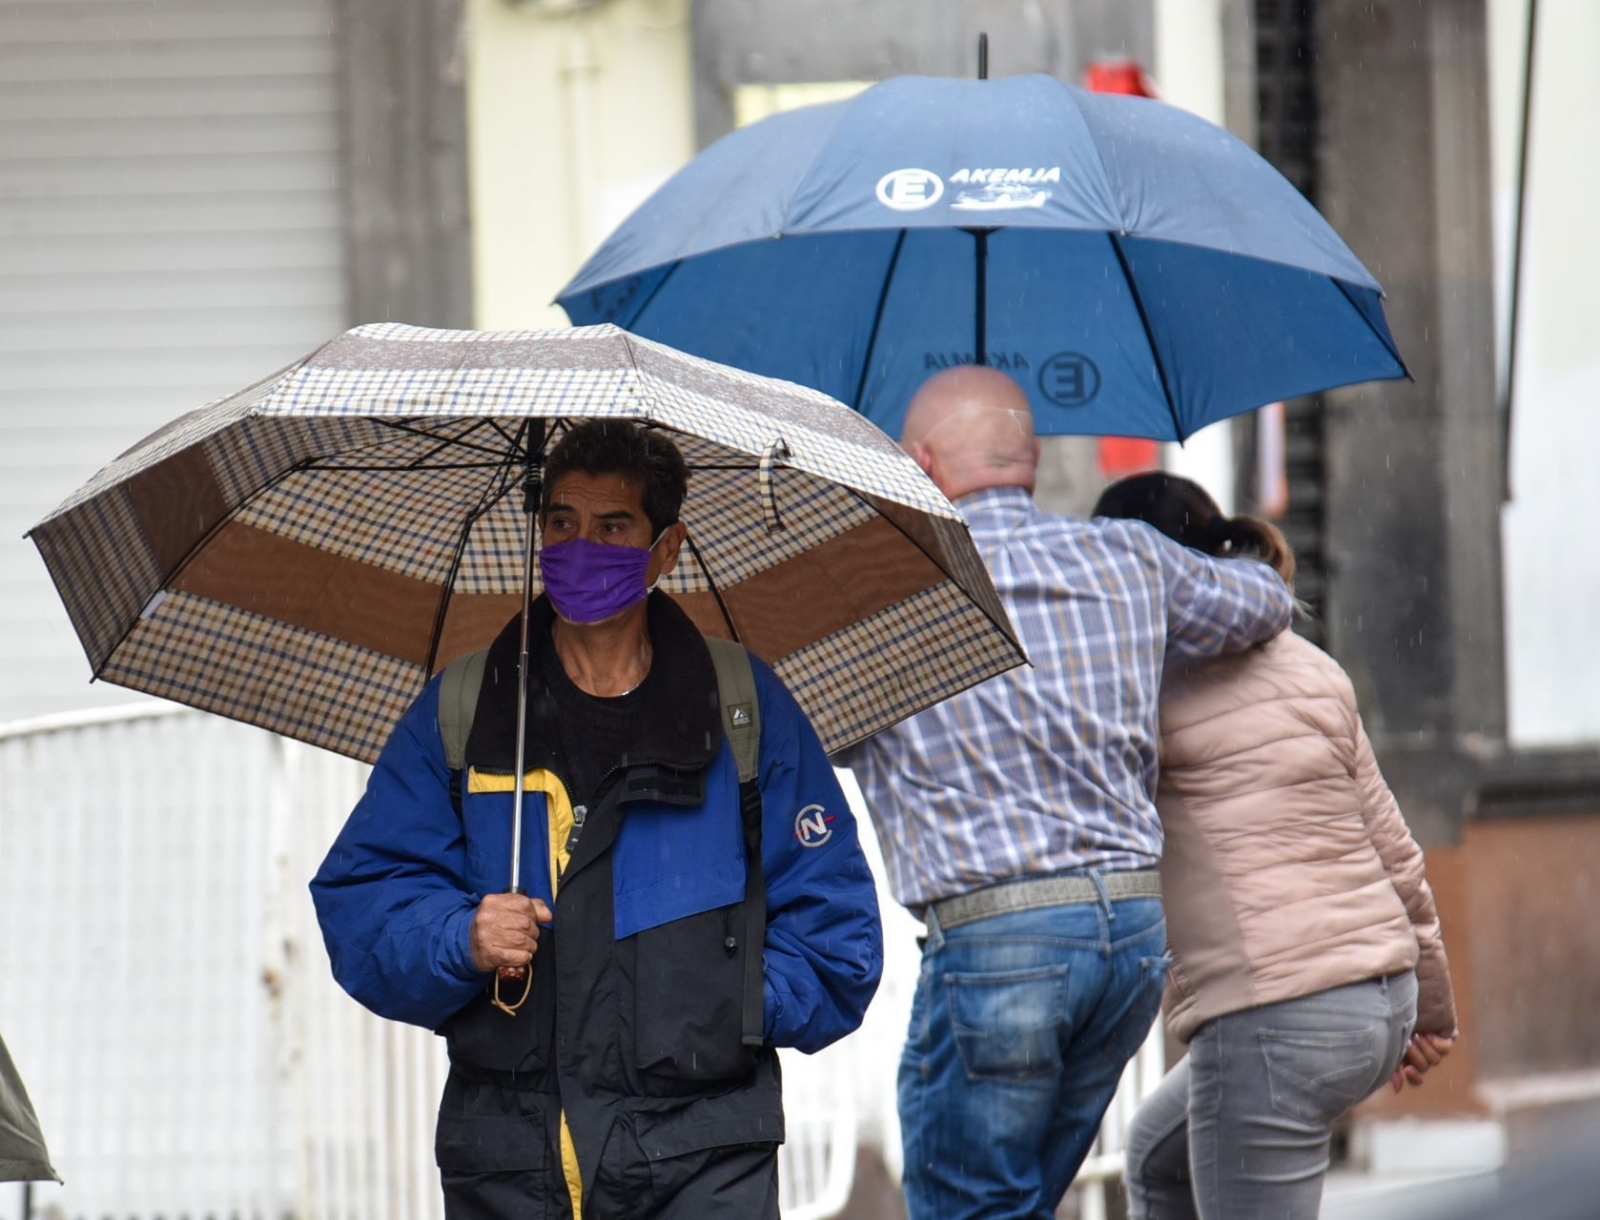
634 1013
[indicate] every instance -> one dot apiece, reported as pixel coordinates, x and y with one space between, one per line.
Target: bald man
1016 819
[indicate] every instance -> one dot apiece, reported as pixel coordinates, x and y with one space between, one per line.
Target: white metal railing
1107 1159
164 988
165 993
817 1163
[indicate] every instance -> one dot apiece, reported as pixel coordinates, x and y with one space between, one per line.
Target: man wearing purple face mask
638 1076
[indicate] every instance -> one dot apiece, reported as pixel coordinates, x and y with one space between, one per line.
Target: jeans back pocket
1318 1075
1007 1025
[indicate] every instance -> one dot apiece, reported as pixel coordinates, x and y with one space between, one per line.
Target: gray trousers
1240 1128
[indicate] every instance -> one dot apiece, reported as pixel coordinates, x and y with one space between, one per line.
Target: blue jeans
1240 1129
1019 1032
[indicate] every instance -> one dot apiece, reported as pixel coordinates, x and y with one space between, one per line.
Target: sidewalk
1353 1195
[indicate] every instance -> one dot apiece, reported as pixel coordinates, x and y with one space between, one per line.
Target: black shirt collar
679 718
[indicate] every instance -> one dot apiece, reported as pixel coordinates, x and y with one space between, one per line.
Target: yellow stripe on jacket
557 804
558 807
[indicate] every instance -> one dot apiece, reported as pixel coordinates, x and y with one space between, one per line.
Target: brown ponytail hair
1182 510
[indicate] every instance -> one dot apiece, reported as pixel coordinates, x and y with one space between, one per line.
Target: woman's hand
1423 1053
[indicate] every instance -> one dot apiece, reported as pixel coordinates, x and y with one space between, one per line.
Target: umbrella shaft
981 298
516 801
522 704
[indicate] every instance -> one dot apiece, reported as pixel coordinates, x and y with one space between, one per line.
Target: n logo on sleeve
812 826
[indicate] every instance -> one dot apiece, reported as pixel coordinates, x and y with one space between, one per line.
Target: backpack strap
458 704
741 721
741 710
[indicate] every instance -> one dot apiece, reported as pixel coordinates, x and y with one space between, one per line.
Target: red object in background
1118 76
1272 461
1123 455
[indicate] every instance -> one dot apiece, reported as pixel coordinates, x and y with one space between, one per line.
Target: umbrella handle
511 972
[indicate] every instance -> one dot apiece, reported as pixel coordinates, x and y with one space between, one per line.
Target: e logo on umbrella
910 190
1069 379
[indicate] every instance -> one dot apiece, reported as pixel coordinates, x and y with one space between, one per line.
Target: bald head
970 427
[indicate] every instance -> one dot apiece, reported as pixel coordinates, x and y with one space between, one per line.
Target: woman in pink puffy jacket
1307 962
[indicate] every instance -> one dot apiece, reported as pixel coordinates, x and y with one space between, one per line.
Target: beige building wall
1552 562
575 114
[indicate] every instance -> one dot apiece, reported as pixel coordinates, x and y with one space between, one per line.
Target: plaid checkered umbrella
305 554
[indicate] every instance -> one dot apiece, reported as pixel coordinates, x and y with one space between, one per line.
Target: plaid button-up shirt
1051 768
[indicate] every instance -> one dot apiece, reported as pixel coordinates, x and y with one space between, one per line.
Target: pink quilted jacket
1288 868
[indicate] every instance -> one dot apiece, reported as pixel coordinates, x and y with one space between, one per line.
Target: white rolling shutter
170 230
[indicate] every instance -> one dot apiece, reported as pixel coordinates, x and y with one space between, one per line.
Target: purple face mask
590 581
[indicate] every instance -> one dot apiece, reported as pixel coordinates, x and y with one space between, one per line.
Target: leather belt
1035 892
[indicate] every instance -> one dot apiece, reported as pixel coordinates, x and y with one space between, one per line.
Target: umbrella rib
509 438
444 443
411 430
646 303
1149 335
1388 346
491 496
980 314
374 469
715 592
877 319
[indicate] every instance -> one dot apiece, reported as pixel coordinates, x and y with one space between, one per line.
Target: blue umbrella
1138 269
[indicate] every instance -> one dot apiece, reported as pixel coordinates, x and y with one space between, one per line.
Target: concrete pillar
404 162
1414 467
